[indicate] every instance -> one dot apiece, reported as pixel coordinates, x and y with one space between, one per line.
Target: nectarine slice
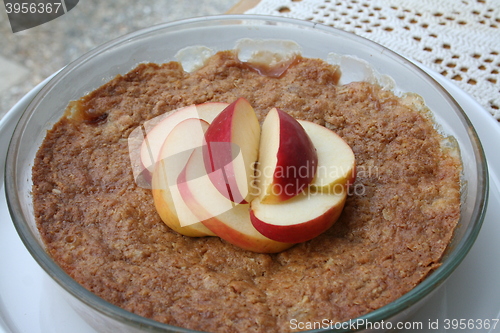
287 158
298 219
186 136
234 132
336 161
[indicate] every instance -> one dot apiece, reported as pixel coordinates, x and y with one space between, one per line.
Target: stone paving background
28 57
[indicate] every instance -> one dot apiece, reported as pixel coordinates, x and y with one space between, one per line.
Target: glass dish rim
430 283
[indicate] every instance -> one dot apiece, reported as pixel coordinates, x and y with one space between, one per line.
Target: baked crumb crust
104 231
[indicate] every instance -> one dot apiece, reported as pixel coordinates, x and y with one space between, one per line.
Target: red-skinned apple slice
235 130
228 220
173 156
155 137
336 161
287 158
298 219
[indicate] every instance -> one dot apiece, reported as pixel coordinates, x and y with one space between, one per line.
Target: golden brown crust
104 231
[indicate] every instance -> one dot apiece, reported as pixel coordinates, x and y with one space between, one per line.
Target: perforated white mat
459 39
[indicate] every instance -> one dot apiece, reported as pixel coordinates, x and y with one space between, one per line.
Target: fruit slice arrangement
217 172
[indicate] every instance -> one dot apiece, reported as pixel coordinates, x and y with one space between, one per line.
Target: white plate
30 304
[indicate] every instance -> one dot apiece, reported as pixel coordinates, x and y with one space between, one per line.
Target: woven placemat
459 39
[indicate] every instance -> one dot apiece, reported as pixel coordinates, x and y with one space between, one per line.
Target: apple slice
234 132
298 219
155 137
227 219
173 156
336 162
287 158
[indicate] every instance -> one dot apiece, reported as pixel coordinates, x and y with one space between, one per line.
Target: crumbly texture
104 231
